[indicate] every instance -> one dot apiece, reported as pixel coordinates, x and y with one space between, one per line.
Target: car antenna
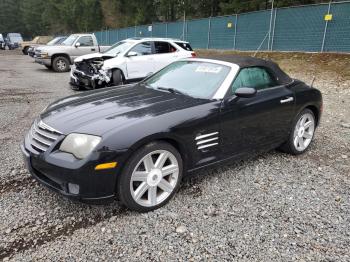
313 81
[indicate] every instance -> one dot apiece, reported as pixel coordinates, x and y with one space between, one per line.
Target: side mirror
132 53
245 92
77 45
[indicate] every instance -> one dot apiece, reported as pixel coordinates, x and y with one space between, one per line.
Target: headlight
80 145
44 55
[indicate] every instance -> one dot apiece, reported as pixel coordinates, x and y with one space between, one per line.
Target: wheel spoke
152 195
169 170
301 142
296 141
303 120
165 186
148 163
139 176
161 160
307 135
140 191
307 125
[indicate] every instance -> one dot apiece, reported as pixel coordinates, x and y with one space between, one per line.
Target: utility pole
184 23
271 16
326 27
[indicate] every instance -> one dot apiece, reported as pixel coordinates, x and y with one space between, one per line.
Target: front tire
117 77
151 177
25 50
60 64
302 134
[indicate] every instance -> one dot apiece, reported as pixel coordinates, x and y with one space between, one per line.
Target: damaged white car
127 61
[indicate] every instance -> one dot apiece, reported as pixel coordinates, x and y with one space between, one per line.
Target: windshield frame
221 91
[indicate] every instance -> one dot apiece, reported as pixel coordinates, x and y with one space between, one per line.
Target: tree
10 20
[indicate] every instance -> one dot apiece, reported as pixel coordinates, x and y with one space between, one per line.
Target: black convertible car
137 141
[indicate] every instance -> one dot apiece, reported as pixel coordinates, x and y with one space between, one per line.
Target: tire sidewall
25 51
123 183
117 77
291 137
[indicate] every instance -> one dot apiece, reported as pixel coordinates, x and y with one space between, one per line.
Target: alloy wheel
154 178
304 132
61 65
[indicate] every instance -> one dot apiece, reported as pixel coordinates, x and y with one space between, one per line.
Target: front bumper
78 181
81 79
43 61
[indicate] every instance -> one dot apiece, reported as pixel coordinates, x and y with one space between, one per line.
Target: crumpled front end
89 73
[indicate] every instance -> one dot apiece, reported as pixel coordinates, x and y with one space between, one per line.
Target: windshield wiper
172 90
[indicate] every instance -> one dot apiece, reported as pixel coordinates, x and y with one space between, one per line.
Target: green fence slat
252 29
338 31
197 32
159 30
175 30
300 28
222 32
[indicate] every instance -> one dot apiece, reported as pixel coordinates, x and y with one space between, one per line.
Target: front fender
116 63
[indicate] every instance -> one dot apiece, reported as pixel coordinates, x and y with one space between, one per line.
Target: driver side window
255 77
86 41
144 48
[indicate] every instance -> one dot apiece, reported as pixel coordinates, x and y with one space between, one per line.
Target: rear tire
117 77
151 177
302 133
60 64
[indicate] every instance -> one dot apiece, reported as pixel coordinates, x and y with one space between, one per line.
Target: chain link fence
312 28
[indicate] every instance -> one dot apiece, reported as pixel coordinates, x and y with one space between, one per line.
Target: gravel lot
272 208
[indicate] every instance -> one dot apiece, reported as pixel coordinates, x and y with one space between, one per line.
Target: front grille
42 136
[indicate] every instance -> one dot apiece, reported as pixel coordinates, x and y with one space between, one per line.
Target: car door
164 54
140 60
86 46
259 122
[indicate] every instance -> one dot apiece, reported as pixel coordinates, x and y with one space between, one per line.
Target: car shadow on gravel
46 70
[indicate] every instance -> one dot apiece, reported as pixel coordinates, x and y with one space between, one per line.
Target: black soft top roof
248 61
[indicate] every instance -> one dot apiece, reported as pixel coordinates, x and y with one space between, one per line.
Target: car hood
55 48
98 112
92 56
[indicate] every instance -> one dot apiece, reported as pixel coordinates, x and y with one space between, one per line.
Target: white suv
127 61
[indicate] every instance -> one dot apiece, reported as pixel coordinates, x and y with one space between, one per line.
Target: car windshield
16 38
193 78
1 38
70 40
118 48
54 41
36 39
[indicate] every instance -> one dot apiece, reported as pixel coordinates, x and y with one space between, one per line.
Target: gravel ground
272 208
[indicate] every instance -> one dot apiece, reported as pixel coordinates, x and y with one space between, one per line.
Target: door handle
287 100
93 49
